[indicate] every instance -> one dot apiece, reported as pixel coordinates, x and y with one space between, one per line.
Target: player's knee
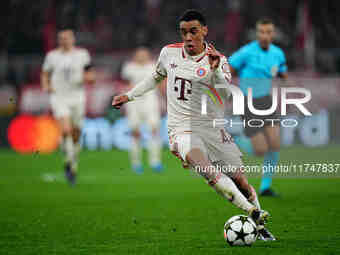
275 146
194 158
189 158
261 151
76 134
155 131
201 164
66 130
136 134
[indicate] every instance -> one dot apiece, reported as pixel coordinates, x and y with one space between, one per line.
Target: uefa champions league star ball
240 230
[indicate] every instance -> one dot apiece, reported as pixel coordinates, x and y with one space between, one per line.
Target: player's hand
118 101
48 89
214 57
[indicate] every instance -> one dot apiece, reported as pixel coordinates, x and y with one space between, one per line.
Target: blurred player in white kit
144 110
64 72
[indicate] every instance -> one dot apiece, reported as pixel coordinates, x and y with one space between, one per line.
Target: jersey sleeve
87 58
87 61
238 59
283 65
151 81
160 71
47 65
125 73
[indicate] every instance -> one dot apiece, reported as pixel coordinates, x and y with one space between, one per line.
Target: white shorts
72 106
215 143
146 110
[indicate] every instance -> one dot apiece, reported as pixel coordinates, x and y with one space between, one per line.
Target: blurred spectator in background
309 29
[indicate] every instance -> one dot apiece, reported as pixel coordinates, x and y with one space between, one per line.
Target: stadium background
112 210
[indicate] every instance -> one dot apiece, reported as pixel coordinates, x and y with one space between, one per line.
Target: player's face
66 39
193 34
142 56
265 34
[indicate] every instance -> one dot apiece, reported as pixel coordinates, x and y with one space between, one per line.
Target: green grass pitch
114 211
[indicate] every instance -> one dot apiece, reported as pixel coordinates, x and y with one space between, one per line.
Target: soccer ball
240 230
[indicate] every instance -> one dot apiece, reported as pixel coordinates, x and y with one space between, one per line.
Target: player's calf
135 151
154 147
247 190
70 146
242 183
219 181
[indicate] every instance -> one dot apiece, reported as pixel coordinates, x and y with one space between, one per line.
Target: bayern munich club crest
201 72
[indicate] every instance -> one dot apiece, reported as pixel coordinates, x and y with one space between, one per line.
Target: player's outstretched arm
149 83
140 89
45 82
